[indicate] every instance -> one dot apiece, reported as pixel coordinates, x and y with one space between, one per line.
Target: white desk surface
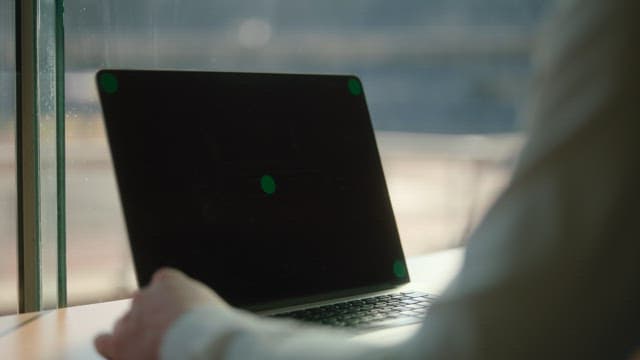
68 333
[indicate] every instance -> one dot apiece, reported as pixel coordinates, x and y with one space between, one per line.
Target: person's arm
177 317
209 333
553 270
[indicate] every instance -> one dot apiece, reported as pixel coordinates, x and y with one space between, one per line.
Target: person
551 272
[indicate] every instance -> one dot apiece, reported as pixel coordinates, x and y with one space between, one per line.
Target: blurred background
443 80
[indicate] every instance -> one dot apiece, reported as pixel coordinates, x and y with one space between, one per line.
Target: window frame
29 51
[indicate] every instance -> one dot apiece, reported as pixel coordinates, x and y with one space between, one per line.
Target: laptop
266 187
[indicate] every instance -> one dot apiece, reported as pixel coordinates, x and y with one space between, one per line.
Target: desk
68 333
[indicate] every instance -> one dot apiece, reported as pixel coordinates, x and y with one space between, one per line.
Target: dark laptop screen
264 186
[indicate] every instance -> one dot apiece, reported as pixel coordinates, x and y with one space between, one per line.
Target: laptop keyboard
378 311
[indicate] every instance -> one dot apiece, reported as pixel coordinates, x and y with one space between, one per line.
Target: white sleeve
214 332
552 271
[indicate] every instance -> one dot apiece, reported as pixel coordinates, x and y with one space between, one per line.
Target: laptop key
399 321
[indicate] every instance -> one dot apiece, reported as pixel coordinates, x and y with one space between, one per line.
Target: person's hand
138 334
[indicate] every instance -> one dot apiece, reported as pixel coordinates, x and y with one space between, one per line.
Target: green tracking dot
399 269
268 184
108 83
355 88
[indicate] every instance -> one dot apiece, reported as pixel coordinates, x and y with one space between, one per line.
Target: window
8 193
442 78
442 81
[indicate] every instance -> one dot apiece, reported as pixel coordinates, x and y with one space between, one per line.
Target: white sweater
553 271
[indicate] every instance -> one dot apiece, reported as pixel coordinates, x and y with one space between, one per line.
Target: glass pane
8 195
442 80
46 105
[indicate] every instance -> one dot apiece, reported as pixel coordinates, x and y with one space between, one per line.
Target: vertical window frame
29 220
27 159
